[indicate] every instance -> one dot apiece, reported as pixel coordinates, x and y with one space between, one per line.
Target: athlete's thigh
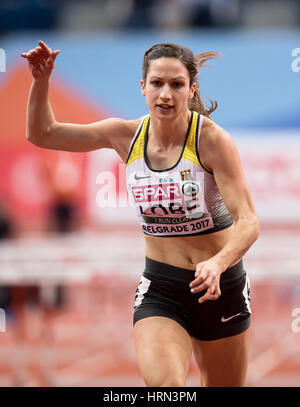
223 362
163 349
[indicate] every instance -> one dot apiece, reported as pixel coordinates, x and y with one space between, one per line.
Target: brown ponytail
196 102
192 64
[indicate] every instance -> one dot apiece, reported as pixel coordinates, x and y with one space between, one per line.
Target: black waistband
170 272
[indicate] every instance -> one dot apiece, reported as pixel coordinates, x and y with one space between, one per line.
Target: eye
156 83
178 84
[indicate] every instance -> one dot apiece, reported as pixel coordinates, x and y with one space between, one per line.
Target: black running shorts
164 291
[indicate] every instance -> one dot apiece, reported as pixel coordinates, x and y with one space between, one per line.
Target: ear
192 90
143 87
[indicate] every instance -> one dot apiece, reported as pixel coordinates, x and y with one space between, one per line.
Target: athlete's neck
165 133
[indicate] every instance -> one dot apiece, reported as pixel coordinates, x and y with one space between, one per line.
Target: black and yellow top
181 200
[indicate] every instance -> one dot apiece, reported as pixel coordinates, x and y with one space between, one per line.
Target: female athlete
185 178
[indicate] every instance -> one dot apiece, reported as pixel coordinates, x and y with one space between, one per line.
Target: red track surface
89 342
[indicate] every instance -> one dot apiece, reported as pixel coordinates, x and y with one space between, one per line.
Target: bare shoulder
134 124
211 132
123 132
214 143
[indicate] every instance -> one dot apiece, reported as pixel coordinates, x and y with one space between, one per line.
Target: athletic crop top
182 200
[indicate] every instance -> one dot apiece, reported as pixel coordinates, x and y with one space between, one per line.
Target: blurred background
71 252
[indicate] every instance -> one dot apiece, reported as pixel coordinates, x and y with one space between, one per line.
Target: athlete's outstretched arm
43 130
221 156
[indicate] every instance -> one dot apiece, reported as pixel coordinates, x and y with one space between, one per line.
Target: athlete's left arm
219 154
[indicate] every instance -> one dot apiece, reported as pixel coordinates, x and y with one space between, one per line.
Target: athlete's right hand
41 60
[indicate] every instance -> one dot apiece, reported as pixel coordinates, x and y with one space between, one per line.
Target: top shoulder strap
190 150
136 149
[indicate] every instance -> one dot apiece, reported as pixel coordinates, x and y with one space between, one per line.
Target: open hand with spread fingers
207 276
41 60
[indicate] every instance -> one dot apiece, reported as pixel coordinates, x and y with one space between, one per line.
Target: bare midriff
186 251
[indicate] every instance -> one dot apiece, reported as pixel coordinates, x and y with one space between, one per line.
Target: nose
165 93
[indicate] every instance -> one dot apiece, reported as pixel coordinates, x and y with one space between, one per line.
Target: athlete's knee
167 381
173 383
221 381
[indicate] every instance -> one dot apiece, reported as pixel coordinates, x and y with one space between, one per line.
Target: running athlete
185 177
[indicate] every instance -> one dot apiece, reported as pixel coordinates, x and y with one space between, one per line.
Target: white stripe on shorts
246 293
141 290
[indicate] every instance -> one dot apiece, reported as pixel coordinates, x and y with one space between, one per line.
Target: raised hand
41 60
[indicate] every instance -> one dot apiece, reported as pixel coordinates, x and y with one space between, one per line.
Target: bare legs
164 349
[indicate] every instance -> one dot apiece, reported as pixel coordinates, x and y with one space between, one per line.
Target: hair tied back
200 59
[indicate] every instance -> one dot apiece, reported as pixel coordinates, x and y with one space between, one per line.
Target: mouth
165 107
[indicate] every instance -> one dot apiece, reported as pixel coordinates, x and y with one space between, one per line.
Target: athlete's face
167 87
